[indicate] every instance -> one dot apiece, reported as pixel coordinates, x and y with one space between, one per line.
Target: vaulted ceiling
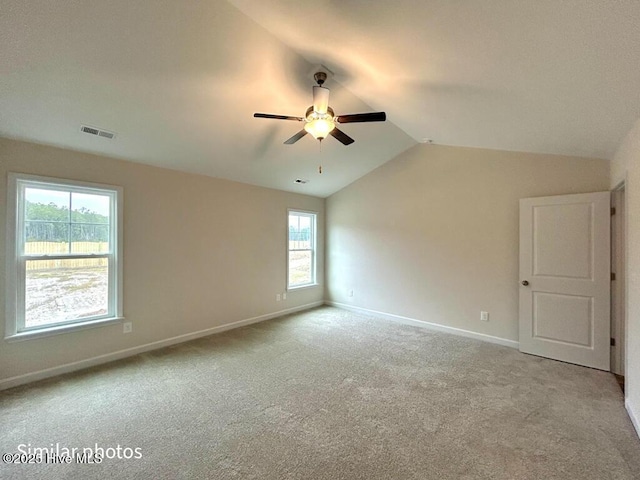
178 81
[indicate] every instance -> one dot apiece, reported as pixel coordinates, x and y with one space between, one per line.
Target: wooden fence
56 248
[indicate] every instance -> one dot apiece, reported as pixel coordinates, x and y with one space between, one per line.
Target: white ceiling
178 81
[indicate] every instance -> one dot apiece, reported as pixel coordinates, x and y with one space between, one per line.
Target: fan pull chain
320 169
320 166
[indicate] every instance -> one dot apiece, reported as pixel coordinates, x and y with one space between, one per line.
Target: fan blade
362 117
341 136
296 137
320 99
277 117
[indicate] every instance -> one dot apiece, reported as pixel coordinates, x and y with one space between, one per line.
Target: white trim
118 252
619 267
429 325
302 287
52 330
632 416
128 352
11 265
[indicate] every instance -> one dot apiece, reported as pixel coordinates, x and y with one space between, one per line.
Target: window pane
63 290
88 238
299 232
305 223
300 268
46 237
46 205
90 208
46 226
294 224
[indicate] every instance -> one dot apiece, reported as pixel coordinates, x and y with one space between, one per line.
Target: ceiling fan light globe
319 128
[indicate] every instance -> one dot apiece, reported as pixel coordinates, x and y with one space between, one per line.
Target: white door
565 278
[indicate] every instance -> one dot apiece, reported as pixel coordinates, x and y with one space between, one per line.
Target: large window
64 261
302 249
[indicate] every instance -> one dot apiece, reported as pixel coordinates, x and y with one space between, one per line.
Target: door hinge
613 276
613 342
613 210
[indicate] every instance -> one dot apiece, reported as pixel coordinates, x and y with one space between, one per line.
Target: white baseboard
632 416
109 357
429 325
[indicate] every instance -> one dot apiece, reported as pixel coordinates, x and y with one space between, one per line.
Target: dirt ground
56 295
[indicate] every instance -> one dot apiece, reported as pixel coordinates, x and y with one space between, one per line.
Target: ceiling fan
320 119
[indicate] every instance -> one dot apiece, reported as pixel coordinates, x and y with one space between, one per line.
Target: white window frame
17 259
314 230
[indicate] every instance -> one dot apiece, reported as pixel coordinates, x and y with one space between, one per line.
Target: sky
95 203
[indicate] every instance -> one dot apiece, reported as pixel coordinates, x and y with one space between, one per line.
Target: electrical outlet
277 297
484 316
127 327
284 296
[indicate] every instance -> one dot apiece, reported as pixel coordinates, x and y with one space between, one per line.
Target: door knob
525 283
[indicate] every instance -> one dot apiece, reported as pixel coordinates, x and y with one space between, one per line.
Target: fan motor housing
309 115
320 77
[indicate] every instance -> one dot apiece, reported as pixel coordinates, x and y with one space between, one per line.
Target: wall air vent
97 132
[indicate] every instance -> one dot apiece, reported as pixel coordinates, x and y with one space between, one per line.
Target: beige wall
626 167
433 234
198 252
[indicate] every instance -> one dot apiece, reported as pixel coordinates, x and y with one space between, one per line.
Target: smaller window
302 249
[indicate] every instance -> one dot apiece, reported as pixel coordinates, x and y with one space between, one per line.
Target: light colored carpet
328 394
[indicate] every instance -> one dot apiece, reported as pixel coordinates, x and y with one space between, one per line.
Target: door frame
619 288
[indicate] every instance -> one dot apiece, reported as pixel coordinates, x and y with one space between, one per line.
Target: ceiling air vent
98 132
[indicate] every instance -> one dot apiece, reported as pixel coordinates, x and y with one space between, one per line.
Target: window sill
57 330
302 287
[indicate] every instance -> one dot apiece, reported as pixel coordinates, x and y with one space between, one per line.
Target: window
64 261
302 249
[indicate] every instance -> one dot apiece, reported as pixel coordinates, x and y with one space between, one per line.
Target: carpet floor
327 394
